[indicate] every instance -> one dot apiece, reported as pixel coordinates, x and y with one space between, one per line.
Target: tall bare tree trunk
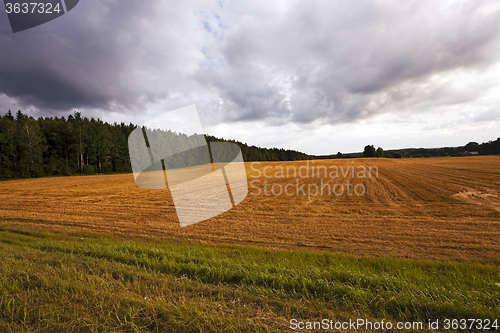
81 150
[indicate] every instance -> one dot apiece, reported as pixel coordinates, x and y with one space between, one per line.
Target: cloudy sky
315 76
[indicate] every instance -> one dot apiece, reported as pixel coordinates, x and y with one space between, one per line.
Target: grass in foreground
51 282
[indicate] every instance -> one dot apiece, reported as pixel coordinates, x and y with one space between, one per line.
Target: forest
76 145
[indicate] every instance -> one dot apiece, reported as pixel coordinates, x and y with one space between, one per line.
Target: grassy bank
51 282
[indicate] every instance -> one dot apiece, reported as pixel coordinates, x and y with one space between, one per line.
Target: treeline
485 148
253 153
77 145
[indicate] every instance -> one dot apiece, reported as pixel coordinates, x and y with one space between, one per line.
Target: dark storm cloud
277 62
102 53
50 90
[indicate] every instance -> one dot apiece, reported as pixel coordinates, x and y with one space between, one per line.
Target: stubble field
442 208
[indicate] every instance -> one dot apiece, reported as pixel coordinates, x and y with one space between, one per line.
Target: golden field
435 208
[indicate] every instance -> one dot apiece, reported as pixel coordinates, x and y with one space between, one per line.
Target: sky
314 76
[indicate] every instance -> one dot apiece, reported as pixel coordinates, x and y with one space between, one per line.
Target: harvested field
435 208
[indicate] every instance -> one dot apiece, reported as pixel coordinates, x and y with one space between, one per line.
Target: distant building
471 153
